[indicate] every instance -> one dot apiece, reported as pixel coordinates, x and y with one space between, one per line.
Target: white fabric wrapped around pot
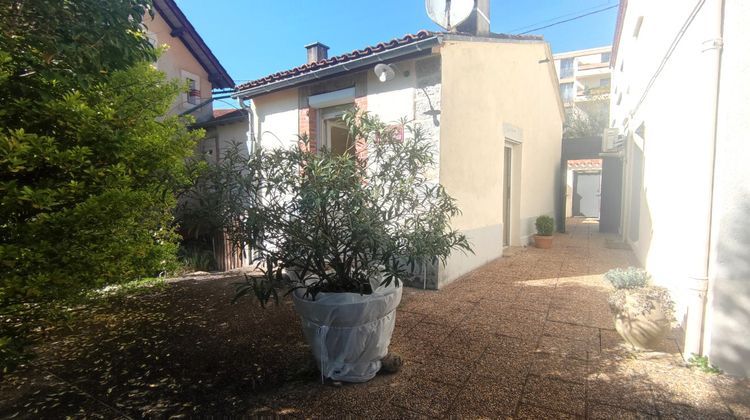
349 333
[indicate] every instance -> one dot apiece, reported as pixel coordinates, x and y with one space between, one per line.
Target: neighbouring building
187 58
585 78
681 102
489 103
584 75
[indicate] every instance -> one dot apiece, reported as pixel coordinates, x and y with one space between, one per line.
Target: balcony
592 93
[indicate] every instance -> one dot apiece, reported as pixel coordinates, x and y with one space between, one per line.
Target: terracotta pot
543 242
642 331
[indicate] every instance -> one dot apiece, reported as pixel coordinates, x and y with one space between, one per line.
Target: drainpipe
695 325
251 123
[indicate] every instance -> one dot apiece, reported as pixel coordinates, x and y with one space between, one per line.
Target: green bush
88 169
545 225
341 222
88 164
629 278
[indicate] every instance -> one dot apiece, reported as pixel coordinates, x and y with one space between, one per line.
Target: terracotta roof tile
364 52
307 68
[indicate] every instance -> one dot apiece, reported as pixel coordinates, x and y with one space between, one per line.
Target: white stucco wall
394 99
277 116
728 309
675 207
677 153
489 87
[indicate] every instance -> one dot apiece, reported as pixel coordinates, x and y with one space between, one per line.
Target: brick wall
308 125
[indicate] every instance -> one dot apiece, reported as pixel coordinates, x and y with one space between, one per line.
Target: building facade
584 75
680 100
497 138
186 58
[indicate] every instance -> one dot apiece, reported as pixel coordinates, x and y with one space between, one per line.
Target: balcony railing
594 91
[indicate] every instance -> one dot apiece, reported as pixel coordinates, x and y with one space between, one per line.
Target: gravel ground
526 336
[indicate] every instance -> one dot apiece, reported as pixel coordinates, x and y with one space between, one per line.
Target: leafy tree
587 119
88 163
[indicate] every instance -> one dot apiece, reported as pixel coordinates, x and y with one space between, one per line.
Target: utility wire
571 19
552 19
670 50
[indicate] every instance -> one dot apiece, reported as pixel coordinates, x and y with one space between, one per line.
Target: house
187 58
681 102
489 102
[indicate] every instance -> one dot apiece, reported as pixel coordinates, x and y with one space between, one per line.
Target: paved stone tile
686 412
556 367
556 395
446 370
425 397
412 349
567 347
580 332
735 393
487 397
514 362
674 385
464 344
620 389
527 411
430 333
598 411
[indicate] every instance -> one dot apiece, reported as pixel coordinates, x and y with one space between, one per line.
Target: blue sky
253 38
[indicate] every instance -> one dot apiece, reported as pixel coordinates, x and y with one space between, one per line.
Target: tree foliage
587 119
88 163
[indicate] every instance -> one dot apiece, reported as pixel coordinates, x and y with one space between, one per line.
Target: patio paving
526 336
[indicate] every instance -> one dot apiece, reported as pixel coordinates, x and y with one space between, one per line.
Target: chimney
478 22
316 52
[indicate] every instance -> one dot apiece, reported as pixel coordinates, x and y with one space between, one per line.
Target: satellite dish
385 72
449 13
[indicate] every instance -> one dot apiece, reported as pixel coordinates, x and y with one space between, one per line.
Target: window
606 56
605 82
566 68
194 94
567 92
336 137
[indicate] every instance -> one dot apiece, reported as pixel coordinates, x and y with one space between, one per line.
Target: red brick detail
361 103
308 125
360 147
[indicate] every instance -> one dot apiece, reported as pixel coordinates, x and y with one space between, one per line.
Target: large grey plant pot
642 331
349 333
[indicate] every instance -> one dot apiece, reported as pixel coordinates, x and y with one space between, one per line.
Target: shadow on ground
527 336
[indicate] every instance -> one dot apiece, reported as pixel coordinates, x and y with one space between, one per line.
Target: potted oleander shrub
545 226
643 313
339 233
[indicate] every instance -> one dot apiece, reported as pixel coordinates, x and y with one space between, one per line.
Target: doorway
587 194
507 183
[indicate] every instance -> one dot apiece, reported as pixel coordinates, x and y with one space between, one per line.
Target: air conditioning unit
609 139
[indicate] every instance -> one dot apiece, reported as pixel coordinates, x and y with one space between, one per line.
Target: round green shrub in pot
545 226
339 232
643 313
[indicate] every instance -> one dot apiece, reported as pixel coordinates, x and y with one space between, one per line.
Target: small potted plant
545 225
339 232
643 313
